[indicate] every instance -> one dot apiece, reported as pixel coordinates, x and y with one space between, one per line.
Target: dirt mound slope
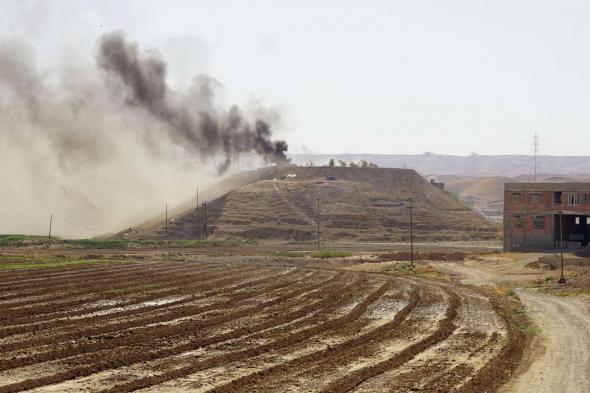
363 204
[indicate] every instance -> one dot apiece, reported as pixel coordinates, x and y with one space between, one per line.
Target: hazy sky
365 76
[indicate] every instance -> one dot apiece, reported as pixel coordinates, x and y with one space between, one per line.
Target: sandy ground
559 360
563 362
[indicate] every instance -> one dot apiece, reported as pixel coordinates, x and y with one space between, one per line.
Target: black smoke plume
191 121
106 146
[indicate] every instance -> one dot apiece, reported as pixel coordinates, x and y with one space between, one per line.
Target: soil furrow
355 313
445 328
181 284
82 286
66 322
121 360
37 307
325 355
180 312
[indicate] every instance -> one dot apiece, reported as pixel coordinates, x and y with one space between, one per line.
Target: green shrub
510 292
289 254
17 239
330 254
97 243
530 329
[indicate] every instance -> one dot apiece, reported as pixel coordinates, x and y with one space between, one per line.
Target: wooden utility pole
318 220
197 197
524 222
410 206
562 278
166 222
205 225
50 222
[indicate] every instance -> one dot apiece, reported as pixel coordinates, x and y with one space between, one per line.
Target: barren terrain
117 323
355 204
559 360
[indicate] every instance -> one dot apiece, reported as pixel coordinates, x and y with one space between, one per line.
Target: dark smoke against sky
107 145
193 121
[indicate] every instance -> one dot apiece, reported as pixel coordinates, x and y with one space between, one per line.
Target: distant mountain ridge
473 165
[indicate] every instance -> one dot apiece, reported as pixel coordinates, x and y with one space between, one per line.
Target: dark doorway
575 229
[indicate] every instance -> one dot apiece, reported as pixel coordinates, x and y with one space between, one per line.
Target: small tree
364 164
331 163
373 165
353 164
342 163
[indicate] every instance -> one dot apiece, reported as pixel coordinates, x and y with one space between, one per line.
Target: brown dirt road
563 365
560 355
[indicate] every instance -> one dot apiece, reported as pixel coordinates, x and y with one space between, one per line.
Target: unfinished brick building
533 213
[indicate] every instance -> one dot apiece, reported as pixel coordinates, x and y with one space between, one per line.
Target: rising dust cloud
100 147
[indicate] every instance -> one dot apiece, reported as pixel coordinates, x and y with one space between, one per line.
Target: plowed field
218 324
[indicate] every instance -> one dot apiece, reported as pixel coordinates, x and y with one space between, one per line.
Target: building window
557 197
539 222
535 198
515 196
587 220
574 199
577 220
518 222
